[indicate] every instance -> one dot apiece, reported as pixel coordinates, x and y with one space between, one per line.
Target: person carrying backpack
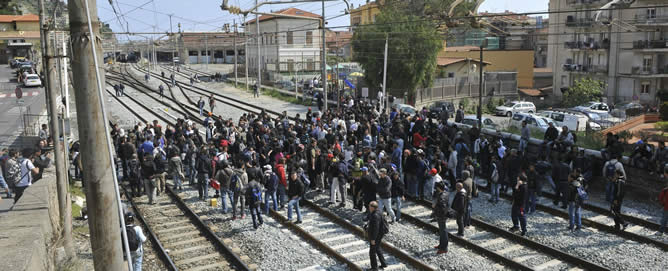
21 173
161 166
575 201
618 192
134 167
609 170
238 185
254 199
270 185
136 238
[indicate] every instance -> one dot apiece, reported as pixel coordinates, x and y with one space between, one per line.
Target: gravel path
605 249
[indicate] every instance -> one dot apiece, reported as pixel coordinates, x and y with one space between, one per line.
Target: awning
532 92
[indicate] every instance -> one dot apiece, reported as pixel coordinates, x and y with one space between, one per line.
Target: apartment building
624 48
19 36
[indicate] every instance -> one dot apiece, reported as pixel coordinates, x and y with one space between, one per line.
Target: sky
206 15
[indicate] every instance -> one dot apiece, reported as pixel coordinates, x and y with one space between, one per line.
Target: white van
574 122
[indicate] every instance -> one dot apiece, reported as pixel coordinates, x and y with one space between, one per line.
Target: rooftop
19 18
445 61
288 11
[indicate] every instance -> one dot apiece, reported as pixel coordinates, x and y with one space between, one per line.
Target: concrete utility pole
103 220
206 49
259 65
384 102
236 77
323 58
246 51
66 79
49 69
173 49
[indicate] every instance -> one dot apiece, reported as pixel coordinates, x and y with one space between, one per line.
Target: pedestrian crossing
25 94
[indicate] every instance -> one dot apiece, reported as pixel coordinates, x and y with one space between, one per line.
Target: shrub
625 135
465 103
491 106
593 141
661 125
502 101
664 111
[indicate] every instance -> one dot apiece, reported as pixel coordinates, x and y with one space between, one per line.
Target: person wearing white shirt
27 168
137 255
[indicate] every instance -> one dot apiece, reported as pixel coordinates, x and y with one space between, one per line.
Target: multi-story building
287 44
626 49
19 36
365 14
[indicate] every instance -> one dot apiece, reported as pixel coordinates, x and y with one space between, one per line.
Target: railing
644 19
579 22
585 45
585 68
650 44
637 70
456 88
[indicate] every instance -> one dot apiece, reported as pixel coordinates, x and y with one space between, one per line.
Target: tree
413 46
584 90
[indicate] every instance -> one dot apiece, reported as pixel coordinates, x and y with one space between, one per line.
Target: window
289 37
647 64
645 88
291 65
192 53
309 37
310 65
356 20
558 117
451 74
651 13
531 121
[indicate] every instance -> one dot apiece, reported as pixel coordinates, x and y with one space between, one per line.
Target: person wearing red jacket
282 182
663 199
418 139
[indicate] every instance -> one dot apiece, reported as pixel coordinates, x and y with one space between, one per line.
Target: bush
661 125
502 101
593 141
465 103
625 135
664 111
490 108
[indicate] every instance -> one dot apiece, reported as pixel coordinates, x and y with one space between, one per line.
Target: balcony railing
639 70
585 68
650 44
588 45
579 22
583 2
653 20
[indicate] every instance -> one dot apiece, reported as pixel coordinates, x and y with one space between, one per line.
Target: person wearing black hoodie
459 206
384 190
520 194
398 191
441 211
375 232
295 192
204 169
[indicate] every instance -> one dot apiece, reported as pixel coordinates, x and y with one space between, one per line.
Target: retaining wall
29 230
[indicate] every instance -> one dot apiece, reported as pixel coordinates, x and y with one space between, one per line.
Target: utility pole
49 71
235 55
66 79
206 48
384 102
246 50
99 174
323 58
259 65
172 31
483 44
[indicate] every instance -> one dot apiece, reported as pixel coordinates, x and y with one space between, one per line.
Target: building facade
626 49
365 14
19 36
519 61
287 44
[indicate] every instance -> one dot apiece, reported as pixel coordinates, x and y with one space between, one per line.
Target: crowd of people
378 159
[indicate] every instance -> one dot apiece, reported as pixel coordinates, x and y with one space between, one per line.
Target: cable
107 133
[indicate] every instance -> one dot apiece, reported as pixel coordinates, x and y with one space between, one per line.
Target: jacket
398 188
520 196
663 199
441 207
296 188
459 203
375 222
384 187
204 165
280 171
468 185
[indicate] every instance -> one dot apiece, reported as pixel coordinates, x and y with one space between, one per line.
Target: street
33 104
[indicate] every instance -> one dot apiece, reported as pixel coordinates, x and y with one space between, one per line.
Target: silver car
510 108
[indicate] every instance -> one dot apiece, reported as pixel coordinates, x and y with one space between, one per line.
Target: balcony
571 21
581 3
659 71
585 68
587 45
644 20
651 45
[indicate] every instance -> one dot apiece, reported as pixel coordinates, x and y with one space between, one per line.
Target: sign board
365 92
18 92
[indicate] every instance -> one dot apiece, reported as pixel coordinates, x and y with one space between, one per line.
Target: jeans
523 145
201 111
398 201
294 202
256 215
320 181
224 195
428 190
608 191
547 148
193 174
149 188
495 192
443 234
574 217
374 250
241 199
281 195
268 194
518 216
203 186
411 181
531 201
137 259
552 184
177 181
467 215
387 203
664 221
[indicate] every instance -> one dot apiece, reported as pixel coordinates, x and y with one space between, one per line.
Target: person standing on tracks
212 102
146 77
520 195
609 170
384 190
162 74
441 210
122 88
239 184
270 185
376 230
398 190
136 238
173 80
117 89
468 186
618 191
254 199
663 199
192 81
574 206
204 169
459 206
176 168
161 165
200 105
295 193
161 89
148 171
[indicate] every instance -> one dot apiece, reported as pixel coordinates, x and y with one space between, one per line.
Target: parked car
32 80
473 120
627 109
405 108
595 107
14 62
436 108
605 120
575 121
510 108
534 122
285 84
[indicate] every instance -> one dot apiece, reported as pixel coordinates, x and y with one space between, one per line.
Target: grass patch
76 191
284 97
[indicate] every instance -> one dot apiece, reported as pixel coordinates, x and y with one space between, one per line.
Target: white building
288 44
625 48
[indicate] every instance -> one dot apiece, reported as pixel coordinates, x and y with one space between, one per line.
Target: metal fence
494 84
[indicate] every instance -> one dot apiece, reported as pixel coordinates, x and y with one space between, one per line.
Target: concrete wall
520 61
30 229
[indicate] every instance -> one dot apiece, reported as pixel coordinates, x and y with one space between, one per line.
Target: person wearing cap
137 255
574 217
422 173
384 190
520 195
441 210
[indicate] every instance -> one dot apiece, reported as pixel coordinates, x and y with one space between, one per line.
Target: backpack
133 239
343 169
235 182
256 194
133 169
384 227
161 163
13 171
582 195
610 170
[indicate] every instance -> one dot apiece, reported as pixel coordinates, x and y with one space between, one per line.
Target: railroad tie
190 249
162 231
525 257
180 243
634 229
337 238
355 253
179 236
210 266
509 249
325 232
175 223
316 267
349 244
492 242
547 265
197 259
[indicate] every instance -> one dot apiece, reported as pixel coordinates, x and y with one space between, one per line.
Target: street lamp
482 45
